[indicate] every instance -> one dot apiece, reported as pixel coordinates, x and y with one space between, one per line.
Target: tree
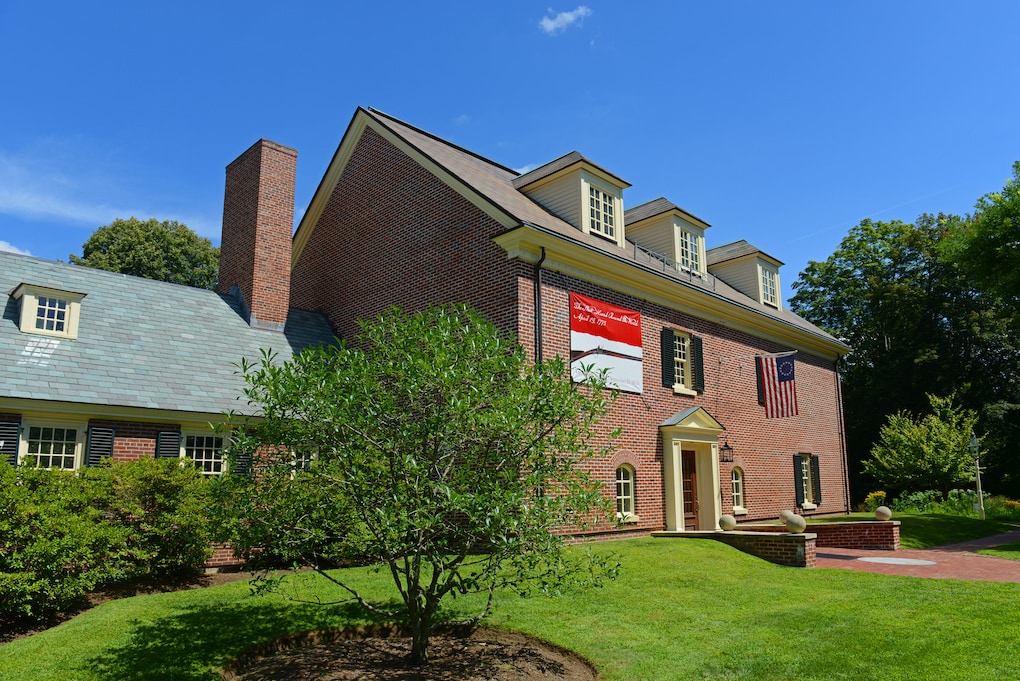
929 452
915 324
987 244
435 449
166 251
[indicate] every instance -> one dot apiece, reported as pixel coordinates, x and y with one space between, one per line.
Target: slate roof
737 249
494 184
141 343
655 207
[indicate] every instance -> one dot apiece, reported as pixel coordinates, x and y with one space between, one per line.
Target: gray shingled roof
141 343
655 207
732 251
559 164
495 184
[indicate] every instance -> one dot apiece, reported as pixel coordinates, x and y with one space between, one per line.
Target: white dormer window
689 256
47 311
601 213
769 285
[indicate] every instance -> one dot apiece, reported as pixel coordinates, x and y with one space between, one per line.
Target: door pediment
694 419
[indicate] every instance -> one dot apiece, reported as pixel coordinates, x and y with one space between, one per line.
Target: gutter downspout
842 440
538 307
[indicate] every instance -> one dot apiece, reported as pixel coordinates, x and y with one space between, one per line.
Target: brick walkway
952 561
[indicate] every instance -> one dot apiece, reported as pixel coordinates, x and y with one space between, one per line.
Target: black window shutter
168 444
240 464
100 445
760 380
798 478
668 358
816 480
697 364
10 432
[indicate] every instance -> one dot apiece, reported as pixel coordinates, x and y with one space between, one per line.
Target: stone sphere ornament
786 515
727 522
883 513
795 524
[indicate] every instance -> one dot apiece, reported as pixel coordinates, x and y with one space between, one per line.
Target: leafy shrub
874 500
64 534
165 506
55 545
926 501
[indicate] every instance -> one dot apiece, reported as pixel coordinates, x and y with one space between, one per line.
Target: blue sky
781 123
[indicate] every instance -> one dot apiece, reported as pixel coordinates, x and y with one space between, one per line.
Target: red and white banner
603 336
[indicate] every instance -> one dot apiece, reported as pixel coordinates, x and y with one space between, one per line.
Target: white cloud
46 183
563 20
528 168
11 248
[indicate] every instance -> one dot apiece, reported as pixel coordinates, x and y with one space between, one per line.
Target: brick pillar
258 227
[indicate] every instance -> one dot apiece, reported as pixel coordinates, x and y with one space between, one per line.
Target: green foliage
165 507
165 251
930 452
874 500
986 244
54 544
64 534
440 452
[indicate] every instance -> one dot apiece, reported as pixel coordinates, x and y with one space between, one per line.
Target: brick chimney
258 227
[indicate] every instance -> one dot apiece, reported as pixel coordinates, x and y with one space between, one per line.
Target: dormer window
769 285
47 311
601 213
690 251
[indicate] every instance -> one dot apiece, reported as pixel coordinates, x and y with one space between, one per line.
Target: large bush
64 534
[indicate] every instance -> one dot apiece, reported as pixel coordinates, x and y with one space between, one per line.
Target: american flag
779 386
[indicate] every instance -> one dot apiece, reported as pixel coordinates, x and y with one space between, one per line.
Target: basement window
47 311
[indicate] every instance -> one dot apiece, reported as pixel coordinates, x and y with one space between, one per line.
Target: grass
1011 551
691 609
923 530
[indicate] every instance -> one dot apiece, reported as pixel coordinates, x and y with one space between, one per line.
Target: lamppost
975 450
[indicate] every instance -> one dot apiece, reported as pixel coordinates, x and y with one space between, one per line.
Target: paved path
952 561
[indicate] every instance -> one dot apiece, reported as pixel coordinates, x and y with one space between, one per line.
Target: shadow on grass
196 642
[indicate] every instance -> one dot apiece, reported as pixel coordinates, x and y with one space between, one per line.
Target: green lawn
1011 551
692 609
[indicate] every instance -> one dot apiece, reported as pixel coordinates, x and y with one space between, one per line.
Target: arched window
624 491
737 482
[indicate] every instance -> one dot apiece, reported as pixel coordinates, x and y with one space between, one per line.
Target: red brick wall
763 448
392 233
133 440
258 224
793 550
872 535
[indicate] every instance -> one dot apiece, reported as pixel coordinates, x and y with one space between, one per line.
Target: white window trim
587 184
79 440
684 388
774 271
738 509
29 295
631 517
684 231
807 482
205 433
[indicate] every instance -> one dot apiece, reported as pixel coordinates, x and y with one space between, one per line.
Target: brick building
689 333
403 217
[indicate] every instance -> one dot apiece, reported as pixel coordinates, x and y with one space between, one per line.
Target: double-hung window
769 286
625 494
737 488
682 362
690 252
807 480
601 218
206 451
52 445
